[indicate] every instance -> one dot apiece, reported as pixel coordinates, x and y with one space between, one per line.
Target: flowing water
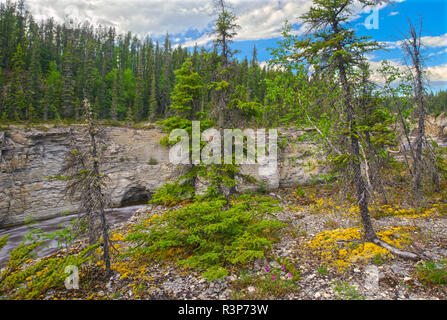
16 234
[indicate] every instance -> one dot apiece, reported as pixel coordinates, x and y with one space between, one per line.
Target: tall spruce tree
17 99
187 93
138 107
68 93
333 48
225 29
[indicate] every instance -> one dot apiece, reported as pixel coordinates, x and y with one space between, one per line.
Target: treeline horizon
47 69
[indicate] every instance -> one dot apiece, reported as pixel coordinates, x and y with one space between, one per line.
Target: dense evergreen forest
46 70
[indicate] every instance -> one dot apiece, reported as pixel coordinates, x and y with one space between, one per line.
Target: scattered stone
399 270
251 289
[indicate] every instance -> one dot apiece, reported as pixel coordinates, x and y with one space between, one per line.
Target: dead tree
412 48
85 184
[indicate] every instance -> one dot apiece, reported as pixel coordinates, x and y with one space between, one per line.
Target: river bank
15 234
315 226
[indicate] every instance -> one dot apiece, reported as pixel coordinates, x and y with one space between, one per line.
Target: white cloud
437 53
259 19
143 17
427 41
433 73
376 65
435 42
264 19
202 41
437 73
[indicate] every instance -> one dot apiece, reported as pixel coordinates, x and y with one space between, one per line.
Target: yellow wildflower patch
411 213
323 205
116 236
341 248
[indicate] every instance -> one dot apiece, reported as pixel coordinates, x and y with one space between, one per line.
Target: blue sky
392 22
393 25
189 22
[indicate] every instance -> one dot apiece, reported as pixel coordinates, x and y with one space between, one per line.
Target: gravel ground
394 279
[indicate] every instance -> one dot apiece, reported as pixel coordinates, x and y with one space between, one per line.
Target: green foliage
217 177
225 29
176 122
188 90
3 241
346 291
379 259
437 103
441 161
20 280
24 278
432 273
322 270
179 122
45 70
64 236
67 234
262 187
211 235
300 193
215 273
152 162
172 194
274 284
269 288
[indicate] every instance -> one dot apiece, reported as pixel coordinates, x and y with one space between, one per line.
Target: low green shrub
211 235
432 273
172 194
346 291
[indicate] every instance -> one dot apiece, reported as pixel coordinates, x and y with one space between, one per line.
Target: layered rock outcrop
134 161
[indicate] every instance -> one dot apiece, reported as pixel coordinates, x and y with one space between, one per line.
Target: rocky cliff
134 161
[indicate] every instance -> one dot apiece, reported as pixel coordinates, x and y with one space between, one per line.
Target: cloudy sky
189 21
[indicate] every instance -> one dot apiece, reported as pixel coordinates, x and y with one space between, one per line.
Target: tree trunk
98 192
362 198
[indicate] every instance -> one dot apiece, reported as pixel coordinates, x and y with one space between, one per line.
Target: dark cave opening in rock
135 196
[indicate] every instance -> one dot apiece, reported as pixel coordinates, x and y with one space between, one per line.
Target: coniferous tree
17 100
85 183
225 29
166 75
85 57
52 93
68 94
334 51
153 103
138 107
114 106
187 93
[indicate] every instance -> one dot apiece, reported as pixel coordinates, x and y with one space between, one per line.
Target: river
16 234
